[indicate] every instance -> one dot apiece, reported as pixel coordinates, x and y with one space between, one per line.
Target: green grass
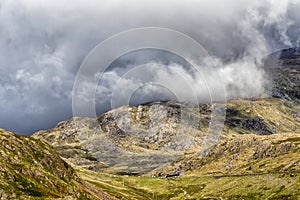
267 186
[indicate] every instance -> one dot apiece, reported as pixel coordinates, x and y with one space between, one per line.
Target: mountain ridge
133 151
149 136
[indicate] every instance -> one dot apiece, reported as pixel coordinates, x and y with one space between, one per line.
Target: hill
31 169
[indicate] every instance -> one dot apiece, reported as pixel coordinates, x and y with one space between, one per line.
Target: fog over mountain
43 43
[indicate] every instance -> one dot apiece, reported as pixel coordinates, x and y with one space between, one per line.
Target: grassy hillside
31 169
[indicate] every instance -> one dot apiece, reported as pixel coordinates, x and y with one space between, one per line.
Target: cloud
42 45
173 81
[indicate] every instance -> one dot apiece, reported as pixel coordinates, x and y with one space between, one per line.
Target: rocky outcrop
257 125
128 140
236 120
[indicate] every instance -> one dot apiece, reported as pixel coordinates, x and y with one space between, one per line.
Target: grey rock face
130 140
283 68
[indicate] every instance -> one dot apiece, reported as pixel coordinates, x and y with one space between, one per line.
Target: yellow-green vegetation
266 186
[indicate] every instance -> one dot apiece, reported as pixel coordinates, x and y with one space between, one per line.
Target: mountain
257 155
31 169
137 140
127 140
167 150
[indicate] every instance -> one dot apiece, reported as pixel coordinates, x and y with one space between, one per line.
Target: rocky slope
129 140
259 136
138 140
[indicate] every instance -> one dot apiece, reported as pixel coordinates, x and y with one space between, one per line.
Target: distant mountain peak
283 69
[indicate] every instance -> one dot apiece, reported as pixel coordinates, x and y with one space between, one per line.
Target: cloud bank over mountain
42 45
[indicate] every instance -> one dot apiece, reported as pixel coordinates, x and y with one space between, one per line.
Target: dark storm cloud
42 44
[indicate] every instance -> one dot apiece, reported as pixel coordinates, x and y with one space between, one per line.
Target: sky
43 44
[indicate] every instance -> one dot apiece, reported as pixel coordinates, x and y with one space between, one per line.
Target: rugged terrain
138 140
128 152
127 140
256 156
